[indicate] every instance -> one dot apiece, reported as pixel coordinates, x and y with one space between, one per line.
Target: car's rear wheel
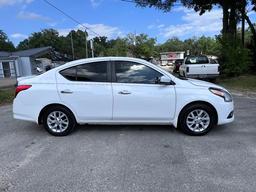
58 121
197 119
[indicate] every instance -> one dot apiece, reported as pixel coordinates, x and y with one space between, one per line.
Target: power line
133 1
70 17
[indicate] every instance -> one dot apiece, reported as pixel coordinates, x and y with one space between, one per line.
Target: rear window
197 60
90 72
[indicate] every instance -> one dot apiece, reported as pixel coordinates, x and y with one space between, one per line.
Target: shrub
234 58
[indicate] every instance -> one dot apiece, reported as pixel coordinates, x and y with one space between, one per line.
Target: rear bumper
23 117
203 76
24 112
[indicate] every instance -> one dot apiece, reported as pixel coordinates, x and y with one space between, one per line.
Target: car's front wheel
58 121
197 119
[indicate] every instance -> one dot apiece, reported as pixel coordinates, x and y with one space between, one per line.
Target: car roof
98 59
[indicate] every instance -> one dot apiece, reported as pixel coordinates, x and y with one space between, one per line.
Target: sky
111 18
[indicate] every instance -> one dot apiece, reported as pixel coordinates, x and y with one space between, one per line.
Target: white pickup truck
199 67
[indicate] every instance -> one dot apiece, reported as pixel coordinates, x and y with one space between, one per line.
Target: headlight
224 94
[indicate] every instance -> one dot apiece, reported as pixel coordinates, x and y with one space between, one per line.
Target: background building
26 62
170 57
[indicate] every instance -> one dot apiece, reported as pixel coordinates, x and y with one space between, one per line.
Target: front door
138 97
6 69
87 90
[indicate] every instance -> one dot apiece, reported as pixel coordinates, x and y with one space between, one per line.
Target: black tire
182 122
71 120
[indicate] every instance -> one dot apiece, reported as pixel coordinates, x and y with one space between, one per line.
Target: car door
137 96
87 90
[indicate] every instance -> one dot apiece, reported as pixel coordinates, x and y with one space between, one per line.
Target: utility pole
92 48
134 39
72 45
243 22
86 46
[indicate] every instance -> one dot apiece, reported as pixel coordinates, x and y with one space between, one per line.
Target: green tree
117 47
209 45
233 11
79 43
46 37
141 46
51 37
173 44
100 46
5 43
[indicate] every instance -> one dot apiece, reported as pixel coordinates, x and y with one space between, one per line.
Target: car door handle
124 92
67 91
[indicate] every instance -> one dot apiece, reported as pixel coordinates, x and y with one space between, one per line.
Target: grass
241 83
6 95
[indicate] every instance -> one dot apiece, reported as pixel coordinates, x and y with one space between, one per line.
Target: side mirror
165 81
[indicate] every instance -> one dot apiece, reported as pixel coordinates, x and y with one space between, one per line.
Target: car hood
204 84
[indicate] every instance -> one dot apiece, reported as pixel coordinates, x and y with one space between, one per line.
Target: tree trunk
232 22
253 30
225 19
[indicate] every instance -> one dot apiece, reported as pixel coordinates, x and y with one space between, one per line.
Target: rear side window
90 72
197 60
131 72
69 73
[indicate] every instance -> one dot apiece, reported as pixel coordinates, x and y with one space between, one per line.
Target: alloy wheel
198 120
57 121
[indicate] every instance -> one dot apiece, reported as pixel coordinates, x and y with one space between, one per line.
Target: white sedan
120 90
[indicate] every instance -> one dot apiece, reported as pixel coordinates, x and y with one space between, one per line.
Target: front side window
90 72
131 72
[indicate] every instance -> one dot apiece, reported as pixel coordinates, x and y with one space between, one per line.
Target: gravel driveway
129 158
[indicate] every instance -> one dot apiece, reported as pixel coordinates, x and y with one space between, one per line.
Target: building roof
4 54
32 52
179 52
36 52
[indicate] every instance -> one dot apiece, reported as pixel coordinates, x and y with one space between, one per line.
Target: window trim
108 79
114 78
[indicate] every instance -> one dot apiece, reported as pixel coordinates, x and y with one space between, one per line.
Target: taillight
20 88
187 70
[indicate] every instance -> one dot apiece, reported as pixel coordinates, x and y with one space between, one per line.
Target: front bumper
226 113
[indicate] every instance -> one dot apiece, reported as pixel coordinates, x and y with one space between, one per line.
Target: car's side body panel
28 104
91 101
101 103
184 98
143 102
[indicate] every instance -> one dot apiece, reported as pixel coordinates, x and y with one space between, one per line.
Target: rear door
138 97
87 90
